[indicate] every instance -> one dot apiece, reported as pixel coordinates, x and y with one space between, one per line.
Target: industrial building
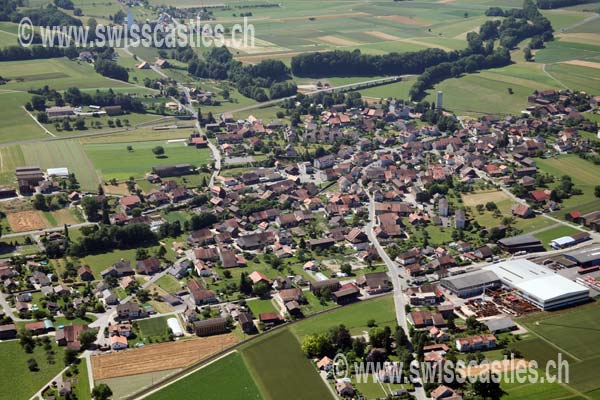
526 243
471 284
588 257
539 285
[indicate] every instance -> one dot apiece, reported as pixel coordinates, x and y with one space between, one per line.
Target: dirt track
158 357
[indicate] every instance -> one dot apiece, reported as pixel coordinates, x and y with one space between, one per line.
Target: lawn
141 159
354 317
280 368
153 327
82 387
549 235
168 283
262 306
99 262
225 379
16 381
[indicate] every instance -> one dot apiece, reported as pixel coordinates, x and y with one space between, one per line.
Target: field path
552 77
582 22
552 343
39 123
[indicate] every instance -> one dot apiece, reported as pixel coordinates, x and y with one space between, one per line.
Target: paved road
54 229
398 282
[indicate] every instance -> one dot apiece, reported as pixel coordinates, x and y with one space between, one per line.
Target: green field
140 161
574 333
227 378
153 327
280 368
10 158
16 123
562 50
548 235
487 91
585 176
16 381
354 317
63 153
59 73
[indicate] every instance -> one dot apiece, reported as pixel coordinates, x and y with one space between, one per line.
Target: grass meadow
585 176
16 381
227 378
140 160
574 333
280 368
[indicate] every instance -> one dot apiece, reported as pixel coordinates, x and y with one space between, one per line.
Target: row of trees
251 80
76 97
106 238
509 32
440 72
356 63
35 52
42 16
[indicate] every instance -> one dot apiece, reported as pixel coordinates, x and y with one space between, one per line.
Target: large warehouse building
535 283
471 284
588 257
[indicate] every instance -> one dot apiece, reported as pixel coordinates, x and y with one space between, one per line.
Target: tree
32 365
346 269
87 337
101 392
39 202
315 345
488 387
80 124
245 284
597 191
42 117
130 148
261 289
527 54
70 356
158 151
91 206
400 337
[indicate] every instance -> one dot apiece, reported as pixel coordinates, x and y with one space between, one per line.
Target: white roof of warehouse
535 279
561 241
515 271
551 287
